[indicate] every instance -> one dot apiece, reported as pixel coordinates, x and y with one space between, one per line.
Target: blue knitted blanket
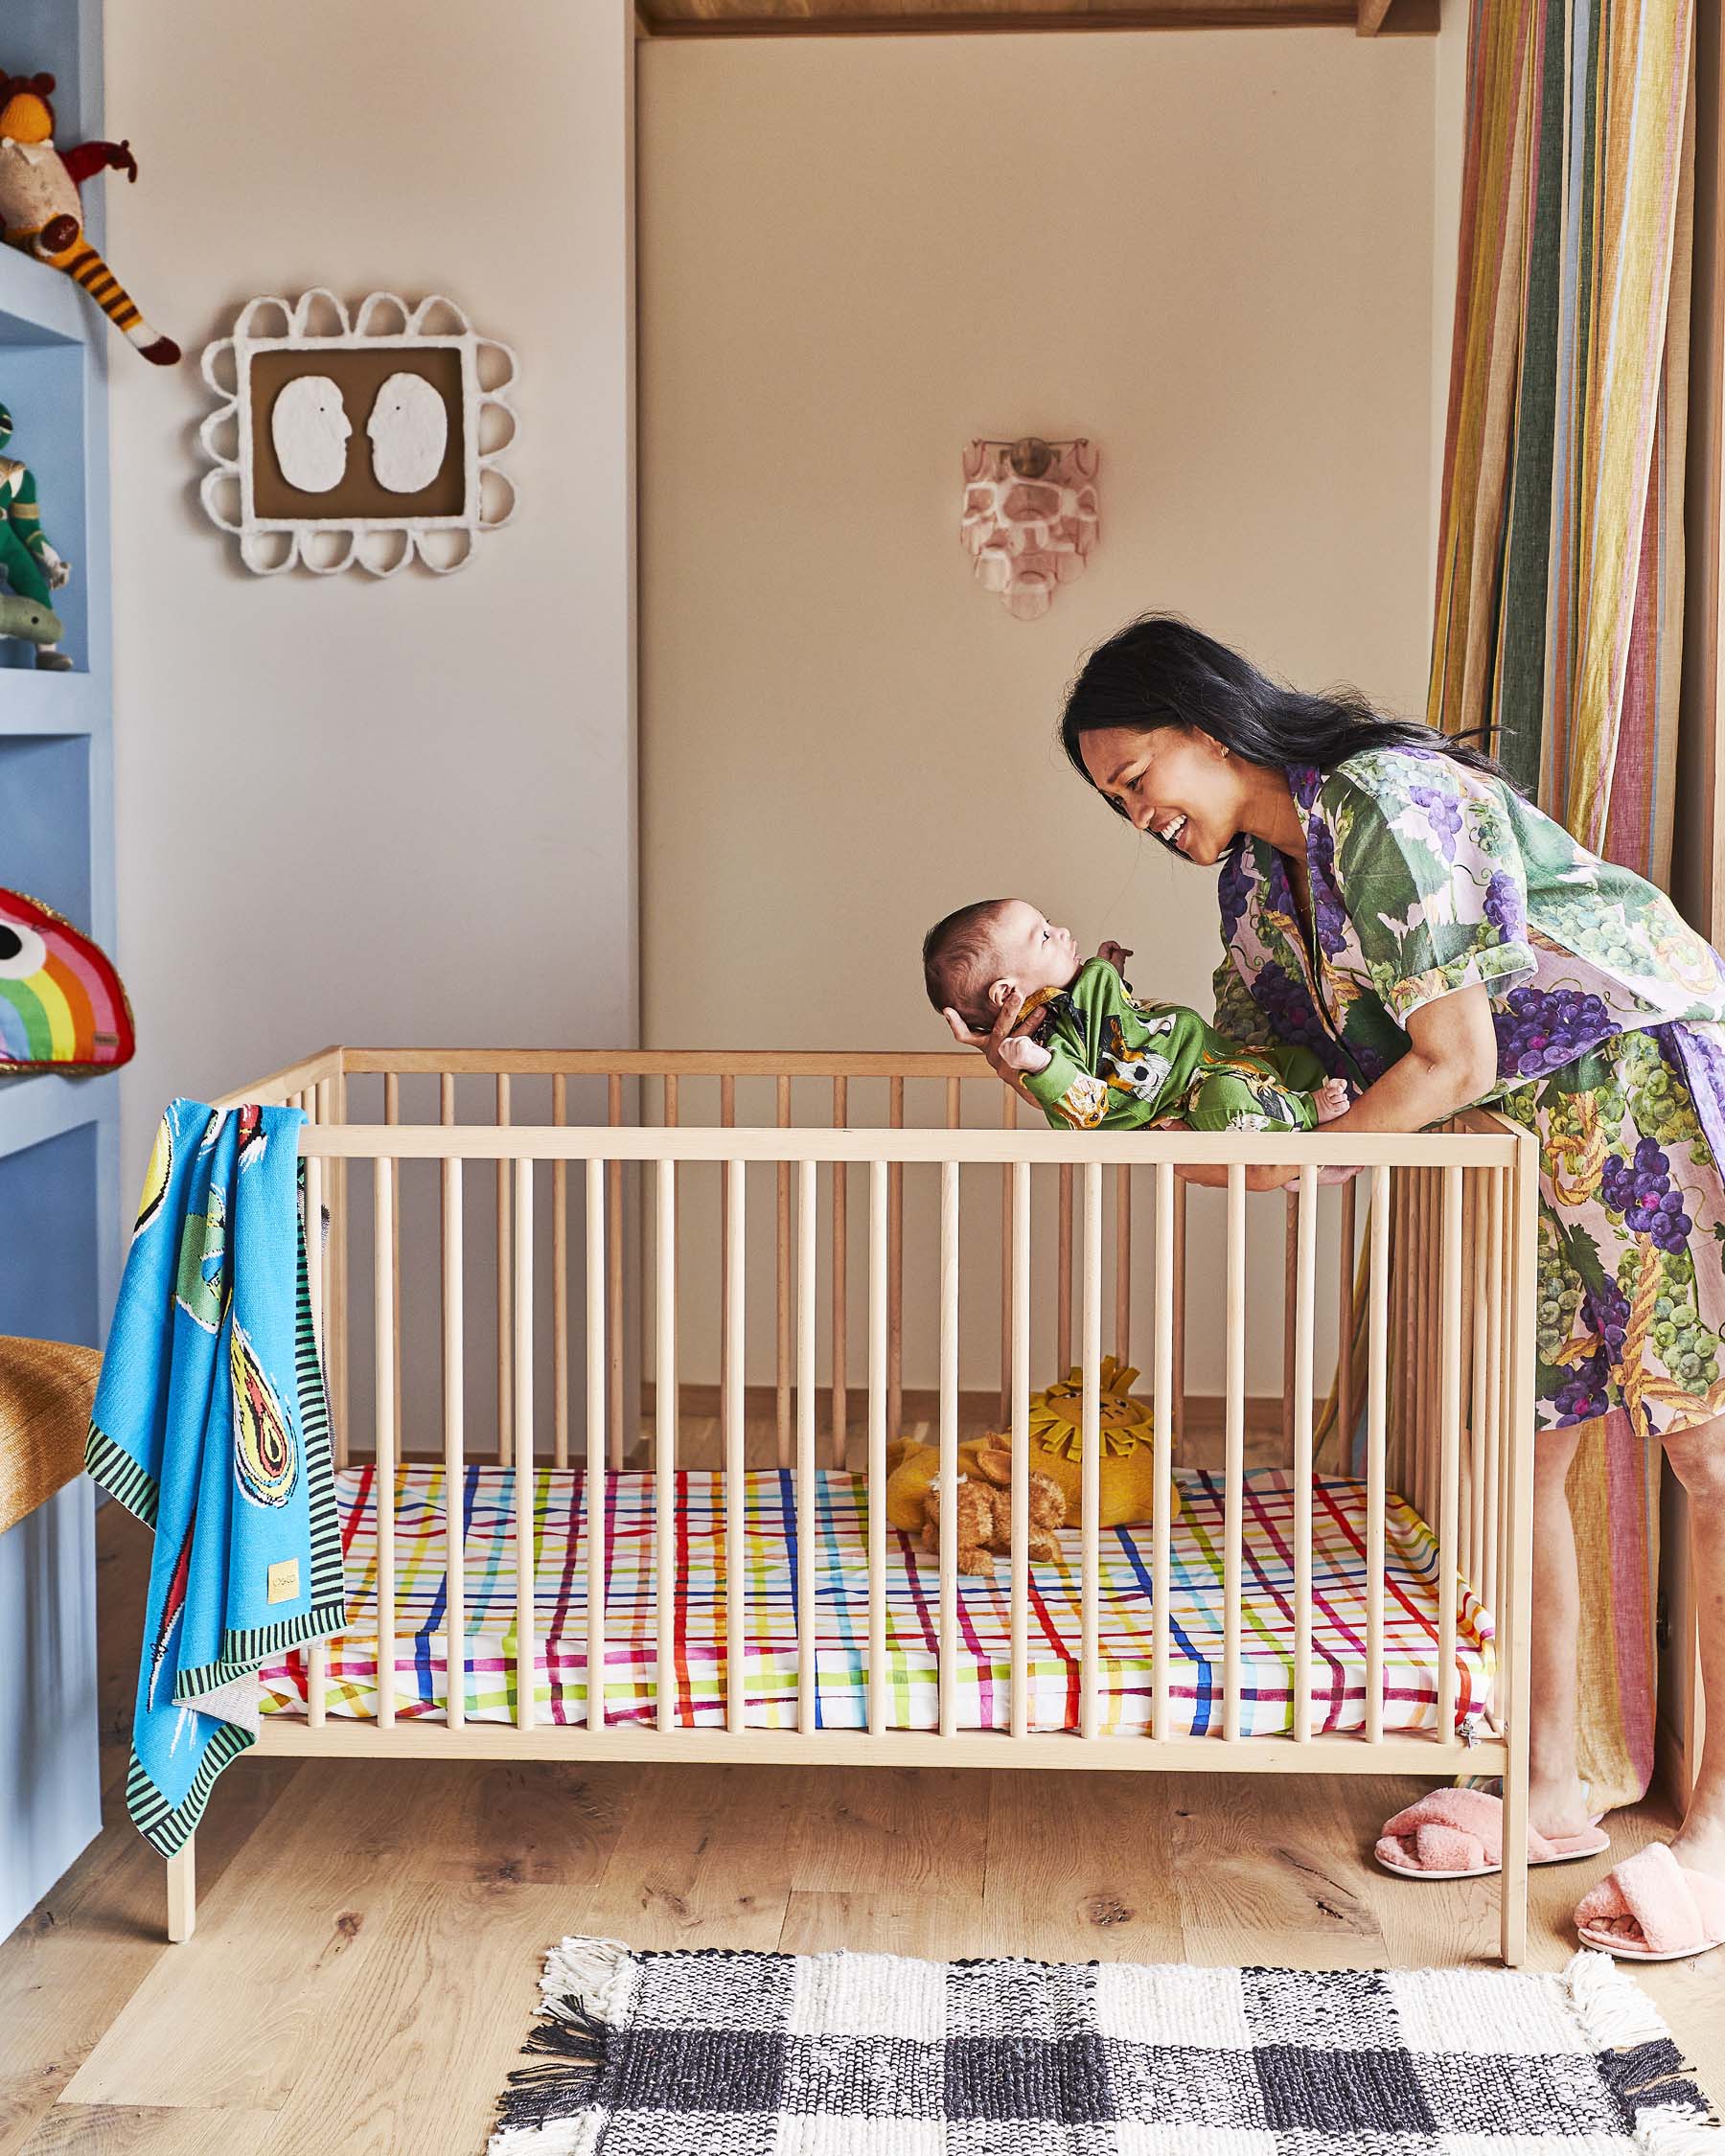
211 1425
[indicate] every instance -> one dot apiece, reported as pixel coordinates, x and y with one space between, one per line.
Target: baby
1091 1054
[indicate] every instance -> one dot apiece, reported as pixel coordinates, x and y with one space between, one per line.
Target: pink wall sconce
1030 517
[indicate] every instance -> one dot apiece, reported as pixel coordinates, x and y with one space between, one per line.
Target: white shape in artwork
310 427
409 432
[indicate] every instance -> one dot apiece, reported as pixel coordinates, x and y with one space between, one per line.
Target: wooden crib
603 1203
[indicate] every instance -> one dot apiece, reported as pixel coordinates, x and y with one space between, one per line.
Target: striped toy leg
63 245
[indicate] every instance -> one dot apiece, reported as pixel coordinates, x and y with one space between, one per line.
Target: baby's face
1030 952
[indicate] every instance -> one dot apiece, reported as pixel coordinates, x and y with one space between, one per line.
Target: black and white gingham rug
866 2055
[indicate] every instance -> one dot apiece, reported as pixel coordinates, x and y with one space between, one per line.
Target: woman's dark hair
1159 671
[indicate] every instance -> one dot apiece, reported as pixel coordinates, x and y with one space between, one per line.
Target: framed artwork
363 442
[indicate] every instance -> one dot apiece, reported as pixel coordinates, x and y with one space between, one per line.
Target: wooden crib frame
1440 1304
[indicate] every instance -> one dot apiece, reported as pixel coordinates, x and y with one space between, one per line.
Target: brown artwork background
358 374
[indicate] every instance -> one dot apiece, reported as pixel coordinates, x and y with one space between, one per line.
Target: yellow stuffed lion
1126 1468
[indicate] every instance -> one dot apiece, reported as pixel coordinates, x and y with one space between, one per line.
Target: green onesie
1119 1064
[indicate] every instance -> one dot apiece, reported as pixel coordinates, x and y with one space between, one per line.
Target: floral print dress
1427 876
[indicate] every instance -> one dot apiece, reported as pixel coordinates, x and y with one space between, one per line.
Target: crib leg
182 1891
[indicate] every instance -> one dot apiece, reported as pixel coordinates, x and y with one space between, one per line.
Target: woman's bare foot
1560 1808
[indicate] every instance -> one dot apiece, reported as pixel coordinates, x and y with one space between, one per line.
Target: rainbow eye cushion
61 1003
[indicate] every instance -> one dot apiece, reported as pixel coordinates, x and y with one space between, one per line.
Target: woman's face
1175 782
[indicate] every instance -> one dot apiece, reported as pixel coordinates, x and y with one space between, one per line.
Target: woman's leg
1557 1799
1697 1458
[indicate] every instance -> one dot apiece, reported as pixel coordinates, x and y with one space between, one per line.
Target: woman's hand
1000 1050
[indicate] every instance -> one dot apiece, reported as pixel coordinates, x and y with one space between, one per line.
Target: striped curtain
1558 619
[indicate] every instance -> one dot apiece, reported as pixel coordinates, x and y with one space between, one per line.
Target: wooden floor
369 1936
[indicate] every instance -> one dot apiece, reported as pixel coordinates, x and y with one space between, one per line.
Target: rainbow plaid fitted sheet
912 1589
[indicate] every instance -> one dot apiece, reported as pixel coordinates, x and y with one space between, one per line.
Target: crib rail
1431 1396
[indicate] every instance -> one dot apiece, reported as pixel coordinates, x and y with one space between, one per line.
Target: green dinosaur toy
28 563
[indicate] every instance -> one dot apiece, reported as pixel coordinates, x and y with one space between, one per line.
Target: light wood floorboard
366 1957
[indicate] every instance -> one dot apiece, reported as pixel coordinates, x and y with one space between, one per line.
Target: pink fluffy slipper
1458 1834
1679 1912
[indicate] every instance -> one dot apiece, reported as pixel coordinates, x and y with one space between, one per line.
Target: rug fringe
1617 2016
585 1990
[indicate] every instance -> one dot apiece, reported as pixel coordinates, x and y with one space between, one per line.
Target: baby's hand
1021 1051
1115 955
1330 1100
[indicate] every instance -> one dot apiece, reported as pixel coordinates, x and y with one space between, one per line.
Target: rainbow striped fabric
912 1586
61 1004
1558 620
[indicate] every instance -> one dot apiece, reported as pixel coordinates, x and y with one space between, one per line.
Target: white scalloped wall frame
381 545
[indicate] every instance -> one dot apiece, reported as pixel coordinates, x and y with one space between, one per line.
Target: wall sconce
1030 517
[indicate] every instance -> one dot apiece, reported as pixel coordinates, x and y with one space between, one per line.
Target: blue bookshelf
60 1226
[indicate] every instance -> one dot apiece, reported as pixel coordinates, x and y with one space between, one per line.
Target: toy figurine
40 211
31 566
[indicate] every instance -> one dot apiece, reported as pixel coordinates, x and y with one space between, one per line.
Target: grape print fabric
1609 1010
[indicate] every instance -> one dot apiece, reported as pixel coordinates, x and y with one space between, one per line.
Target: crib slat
841 1178
384 1440
1377 1388
338 1283
559 1283
1161 1408
525 1537
782 1337
895 1269
807 1516
1304 1300
1473 1420
879 1330
1449 1443
948 1448
1492 1471
1089 1466
1122 1316
1063 1275
613 1225
1290 1315
1345 1332
595 1479
317 1659
1180 1309
1019 1225
392 1114
454 1408
728 1121
736 1495
1008 1122
505 1318
665 1456
1234 1467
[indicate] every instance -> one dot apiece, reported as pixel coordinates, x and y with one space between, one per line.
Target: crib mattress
912 1587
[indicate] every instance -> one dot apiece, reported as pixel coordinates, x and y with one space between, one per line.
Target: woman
1389 902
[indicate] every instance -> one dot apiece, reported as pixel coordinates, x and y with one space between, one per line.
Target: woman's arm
1450 1064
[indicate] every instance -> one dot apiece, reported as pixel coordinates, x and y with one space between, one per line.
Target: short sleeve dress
1427 876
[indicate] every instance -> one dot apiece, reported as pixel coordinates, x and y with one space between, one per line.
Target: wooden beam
853 18
1372 14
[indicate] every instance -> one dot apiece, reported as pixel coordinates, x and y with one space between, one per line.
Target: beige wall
1210 251
405 812
348 809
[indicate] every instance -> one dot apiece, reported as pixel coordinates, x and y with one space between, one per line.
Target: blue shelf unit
61 1226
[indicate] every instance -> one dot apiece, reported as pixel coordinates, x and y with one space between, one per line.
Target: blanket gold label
284 1580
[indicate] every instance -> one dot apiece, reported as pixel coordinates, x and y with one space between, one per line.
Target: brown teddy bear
984 1513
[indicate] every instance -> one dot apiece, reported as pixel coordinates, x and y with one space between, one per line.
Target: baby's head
975 957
